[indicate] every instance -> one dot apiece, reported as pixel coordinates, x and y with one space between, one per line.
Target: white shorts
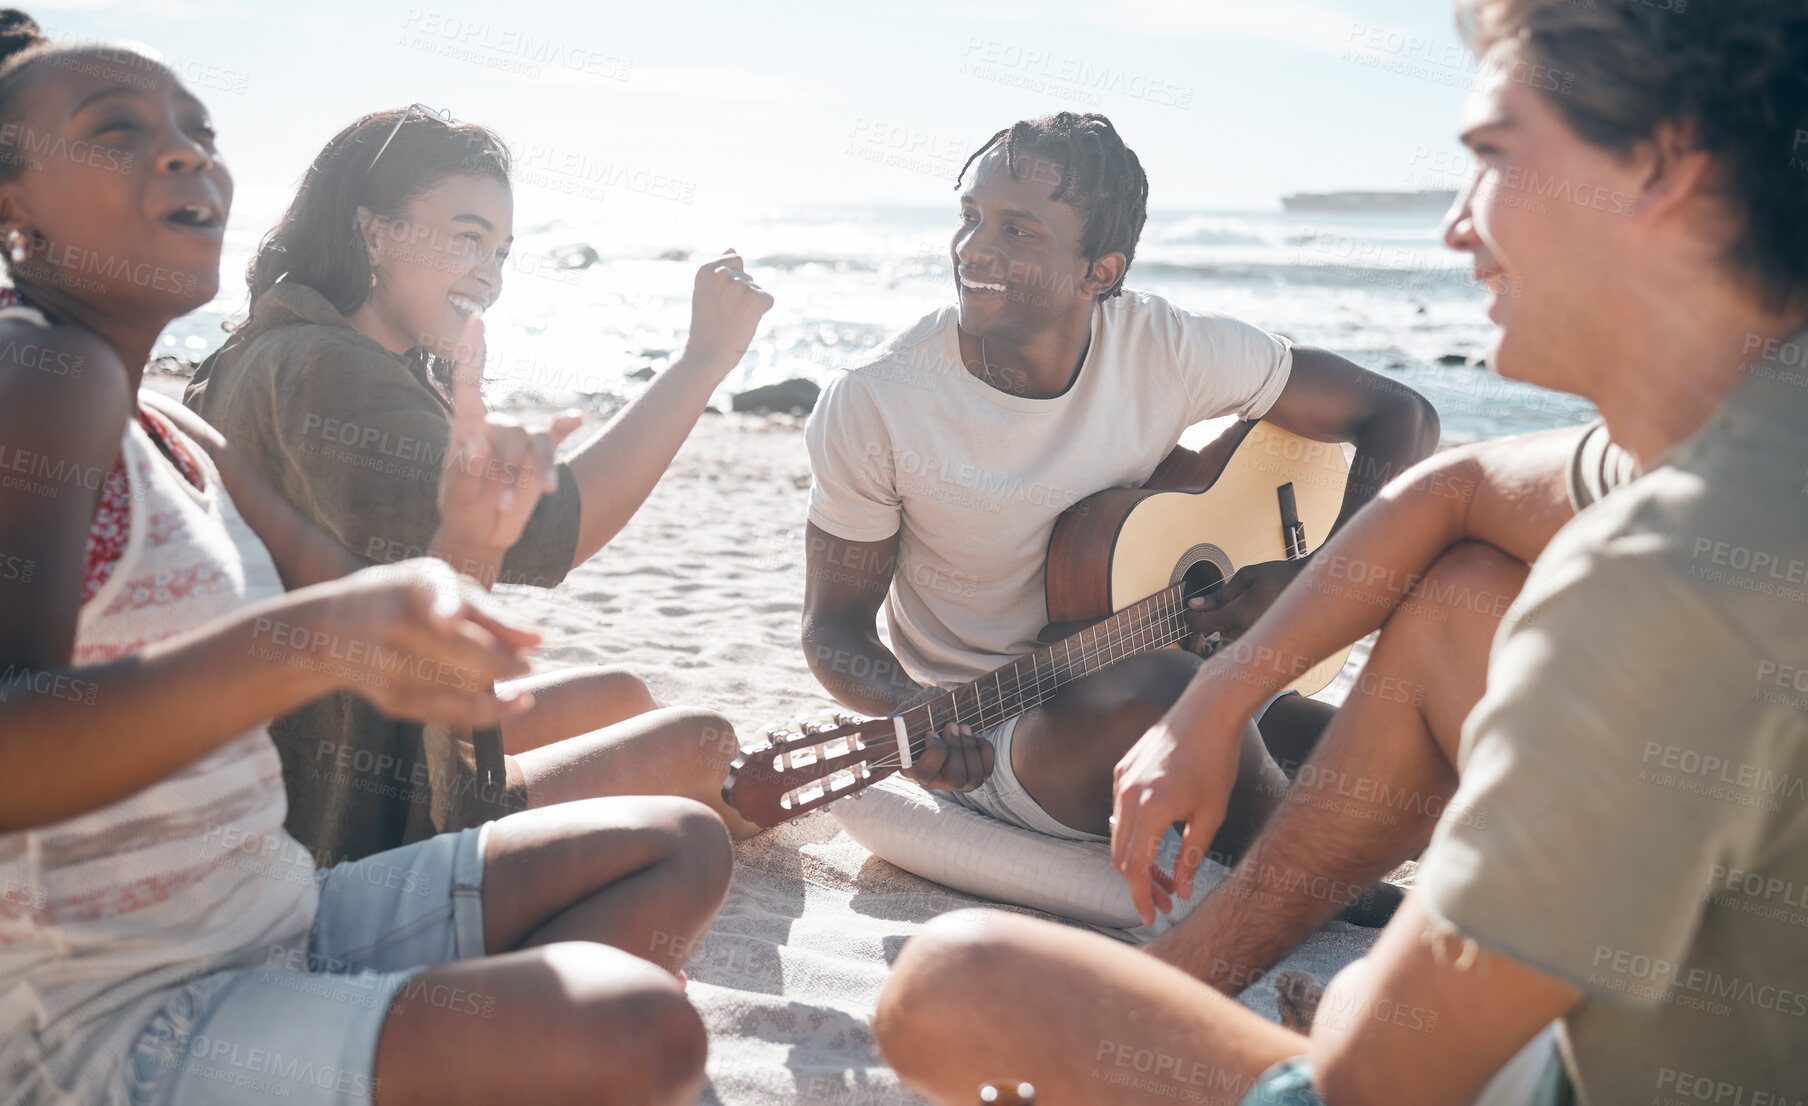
1002 795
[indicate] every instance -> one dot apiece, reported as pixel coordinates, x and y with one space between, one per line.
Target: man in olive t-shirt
1642 752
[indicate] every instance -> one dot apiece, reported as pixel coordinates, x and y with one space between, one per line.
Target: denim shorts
303 1029
1533 1077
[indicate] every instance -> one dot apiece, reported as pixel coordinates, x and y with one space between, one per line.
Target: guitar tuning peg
843 718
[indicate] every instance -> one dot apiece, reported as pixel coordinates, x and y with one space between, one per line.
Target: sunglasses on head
435 114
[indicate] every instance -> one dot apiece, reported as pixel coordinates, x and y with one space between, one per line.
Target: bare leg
980 995
559 1024
572 701
1065 751
1370 795
1292 728
645 874
671 751
598 1024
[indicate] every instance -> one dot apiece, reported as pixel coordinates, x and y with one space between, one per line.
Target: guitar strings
888 760
1148 619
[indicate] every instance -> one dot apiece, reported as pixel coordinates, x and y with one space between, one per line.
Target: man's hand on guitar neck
955 759
1235 607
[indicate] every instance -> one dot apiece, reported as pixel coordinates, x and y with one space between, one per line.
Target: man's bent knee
941 978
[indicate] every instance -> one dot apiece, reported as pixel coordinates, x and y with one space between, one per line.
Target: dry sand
701 594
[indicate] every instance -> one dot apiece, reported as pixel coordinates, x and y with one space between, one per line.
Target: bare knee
1156 680
1460 600
674 1043
622 688
938 987
699 847
708 735
656 1042
1473 577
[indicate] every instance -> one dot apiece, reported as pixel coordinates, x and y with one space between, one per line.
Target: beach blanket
788 979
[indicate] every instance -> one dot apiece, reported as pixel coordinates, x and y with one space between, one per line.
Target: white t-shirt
972 478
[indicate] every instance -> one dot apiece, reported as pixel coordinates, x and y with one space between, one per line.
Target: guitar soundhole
1203 566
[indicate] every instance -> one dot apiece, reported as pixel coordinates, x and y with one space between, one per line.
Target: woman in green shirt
337 388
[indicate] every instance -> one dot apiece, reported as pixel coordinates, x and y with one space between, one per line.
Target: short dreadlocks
1100 177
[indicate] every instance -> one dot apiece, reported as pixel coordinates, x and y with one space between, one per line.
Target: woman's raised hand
414 639
726 306
495 468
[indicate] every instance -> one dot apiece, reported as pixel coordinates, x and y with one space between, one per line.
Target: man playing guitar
941 464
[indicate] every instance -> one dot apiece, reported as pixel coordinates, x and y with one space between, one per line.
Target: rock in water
796 394
579 256
643 373
1453 359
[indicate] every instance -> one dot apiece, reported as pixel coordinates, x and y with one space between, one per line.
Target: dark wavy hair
318 241
1101 178
1734 73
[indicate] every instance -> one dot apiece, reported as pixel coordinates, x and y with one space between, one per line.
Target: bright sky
1229 103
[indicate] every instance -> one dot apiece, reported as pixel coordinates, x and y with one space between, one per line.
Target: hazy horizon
1230 105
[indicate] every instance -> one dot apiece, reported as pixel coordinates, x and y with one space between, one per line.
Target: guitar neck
1030 680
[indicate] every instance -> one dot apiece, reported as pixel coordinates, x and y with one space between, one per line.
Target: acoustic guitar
1123 563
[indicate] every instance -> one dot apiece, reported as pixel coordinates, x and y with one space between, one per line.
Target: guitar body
1201 517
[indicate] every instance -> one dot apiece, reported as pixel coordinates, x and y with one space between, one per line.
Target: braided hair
21 43
1101 178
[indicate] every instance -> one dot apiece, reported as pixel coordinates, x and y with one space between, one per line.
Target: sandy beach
701 595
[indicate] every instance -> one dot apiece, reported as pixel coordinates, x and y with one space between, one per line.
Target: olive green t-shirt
1642 756
354 437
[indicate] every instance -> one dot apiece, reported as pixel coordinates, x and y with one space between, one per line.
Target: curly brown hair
1733 73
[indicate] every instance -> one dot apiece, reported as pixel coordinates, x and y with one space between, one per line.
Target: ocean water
1381 290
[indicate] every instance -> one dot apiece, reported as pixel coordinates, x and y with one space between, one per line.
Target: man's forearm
1386 447
1347 590
1318 853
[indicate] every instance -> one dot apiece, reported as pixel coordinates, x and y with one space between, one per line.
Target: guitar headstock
801 770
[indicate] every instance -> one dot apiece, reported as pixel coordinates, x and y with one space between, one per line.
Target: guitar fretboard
1002 694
